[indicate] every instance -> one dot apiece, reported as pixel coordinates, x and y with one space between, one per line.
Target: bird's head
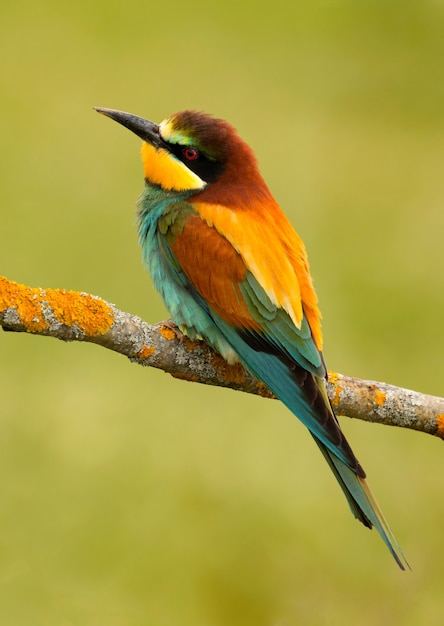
192 151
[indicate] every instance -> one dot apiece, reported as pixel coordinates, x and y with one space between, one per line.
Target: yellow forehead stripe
162 168
169 133
166 129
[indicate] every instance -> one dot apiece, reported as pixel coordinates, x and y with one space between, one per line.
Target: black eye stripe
196 160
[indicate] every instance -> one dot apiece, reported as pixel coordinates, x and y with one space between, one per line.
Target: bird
232 271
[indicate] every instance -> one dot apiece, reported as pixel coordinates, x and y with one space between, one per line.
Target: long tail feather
305 395
363 503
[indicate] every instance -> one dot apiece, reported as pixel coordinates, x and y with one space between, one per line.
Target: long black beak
146 130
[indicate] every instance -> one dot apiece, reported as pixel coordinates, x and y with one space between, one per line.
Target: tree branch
77 316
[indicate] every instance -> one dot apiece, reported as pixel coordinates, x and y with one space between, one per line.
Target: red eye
190 154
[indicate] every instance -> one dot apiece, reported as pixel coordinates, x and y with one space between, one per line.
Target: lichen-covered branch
77 316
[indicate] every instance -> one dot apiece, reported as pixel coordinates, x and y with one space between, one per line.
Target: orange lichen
380 397
25 301
167 332
190 344
91 315
145 352
333 378
440 425
234 373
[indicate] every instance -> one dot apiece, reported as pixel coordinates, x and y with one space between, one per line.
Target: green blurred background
128 498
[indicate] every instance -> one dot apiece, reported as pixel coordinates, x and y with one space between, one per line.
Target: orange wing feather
272 250
215 269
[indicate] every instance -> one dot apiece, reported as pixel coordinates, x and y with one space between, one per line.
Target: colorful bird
233 271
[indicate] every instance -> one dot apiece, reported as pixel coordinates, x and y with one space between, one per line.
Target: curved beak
146 130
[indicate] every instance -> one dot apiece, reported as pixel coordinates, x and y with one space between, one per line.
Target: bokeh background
128 498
